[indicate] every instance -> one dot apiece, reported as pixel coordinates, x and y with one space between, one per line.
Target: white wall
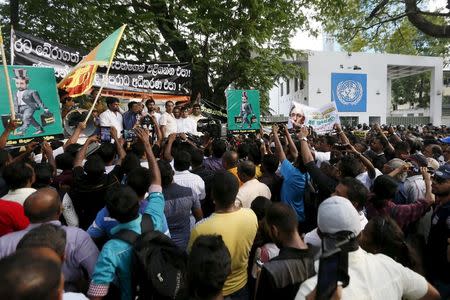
322 64
280 103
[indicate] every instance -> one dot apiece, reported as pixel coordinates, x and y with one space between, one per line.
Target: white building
369 77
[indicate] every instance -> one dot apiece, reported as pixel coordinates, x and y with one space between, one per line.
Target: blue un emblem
349 92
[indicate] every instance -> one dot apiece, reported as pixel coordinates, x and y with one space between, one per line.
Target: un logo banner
349 92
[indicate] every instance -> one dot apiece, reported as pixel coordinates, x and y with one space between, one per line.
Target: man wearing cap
438 247
26 102
372 276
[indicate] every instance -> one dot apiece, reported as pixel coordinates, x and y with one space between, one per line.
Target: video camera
210 126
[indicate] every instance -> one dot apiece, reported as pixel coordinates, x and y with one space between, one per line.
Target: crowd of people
175 119
246 216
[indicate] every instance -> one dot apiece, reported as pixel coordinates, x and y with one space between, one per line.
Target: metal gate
407 120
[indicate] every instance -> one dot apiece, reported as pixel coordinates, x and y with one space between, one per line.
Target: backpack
158 265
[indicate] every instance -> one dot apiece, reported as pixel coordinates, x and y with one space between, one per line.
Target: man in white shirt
19 177
196 113
112 116
323 149
186 124
182 163
371 276
167 122
251 187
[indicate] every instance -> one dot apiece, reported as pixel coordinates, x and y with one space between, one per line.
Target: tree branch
377 8
166 25
420 22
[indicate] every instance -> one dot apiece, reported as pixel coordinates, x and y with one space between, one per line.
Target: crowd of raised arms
171 213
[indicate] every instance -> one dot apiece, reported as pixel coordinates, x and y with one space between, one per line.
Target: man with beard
151 109
438 254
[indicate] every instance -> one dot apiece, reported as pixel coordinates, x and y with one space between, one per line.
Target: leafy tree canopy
243 43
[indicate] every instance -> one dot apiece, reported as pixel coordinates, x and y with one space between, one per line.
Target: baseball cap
338 214
433 164
443 172
445 140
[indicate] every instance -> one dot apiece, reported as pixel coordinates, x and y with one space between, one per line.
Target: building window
287 86
373 120
295 84
349 121
281 89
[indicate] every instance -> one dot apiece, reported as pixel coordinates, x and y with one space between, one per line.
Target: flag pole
98 94
11 47
8 83
106 75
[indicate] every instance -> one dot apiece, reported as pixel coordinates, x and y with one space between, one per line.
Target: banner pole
11 47
98 94
8 83
107 73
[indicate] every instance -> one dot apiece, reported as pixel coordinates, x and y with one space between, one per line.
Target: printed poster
321 119
36 105
243 110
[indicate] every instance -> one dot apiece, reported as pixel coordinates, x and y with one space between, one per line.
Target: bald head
42 206
229 159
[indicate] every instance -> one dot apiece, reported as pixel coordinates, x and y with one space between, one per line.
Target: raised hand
275 129
114 133
142 134
304 132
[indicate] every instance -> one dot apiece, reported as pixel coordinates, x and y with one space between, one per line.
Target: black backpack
158 265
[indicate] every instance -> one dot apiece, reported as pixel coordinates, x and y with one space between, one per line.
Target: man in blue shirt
139 180
130 117
295 175
114 261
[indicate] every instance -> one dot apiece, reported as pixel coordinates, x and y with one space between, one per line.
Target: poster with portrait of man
36 105
322 119
243 111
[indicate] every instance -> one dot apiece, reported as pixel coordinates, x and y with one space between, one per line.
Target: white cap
338 214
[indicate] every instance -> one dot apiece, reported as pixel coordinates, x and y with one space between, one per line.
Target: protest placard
243 110
321 119
36 104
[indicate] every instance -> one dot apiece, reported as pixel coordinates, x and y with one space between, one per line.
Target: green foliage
243 43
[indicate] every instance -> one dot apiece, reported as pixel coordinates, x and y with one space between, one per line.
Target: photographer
383 278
